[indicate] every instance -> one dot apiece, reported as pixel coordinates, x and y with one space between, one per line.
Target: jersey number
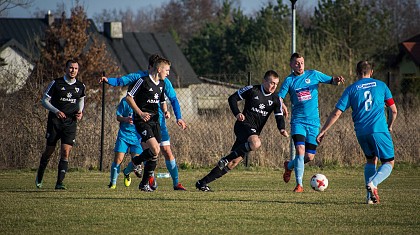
368 100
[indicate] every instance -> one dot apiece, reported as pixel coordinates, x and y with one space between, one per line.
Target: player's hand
240 117
167 115
79 115
181 123
60 115
320 137
284 133
103 79
129 119
145 116
338 80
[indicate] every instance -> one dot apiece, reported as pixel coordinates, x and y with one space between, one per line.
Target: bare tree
6 5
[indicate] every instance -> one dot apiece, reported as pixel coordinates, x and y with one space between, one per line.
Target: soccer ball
319 182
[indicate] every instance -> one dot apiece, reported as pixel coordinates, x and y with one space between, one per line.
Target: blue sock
129 168
383 172
299 169
370 171
291 164
173 170
115 170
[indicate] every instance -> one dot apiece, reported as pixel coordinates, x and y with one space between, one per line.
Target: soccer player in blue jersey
165 144
302 87
367 98
127 139
260 102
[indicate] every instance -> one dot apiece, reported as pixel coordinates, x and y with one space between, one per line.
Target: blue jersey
169 90
303 91
367 99
127 131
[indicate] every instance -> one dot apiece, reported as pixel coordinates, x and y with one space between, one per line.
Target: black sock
214 174
62 169
42 166
239 151
146 155
149 168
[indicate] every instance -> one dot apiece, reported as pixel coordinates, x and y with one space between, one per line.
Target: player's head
271 81
297 63
162 67
152 59
364 69
72 68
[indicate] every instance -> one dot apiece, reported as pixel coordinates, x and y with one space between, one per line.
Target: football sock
149 168
115 170
291 164
146 155
383 172
239 151
370 170
214 174
42 165
62 169
129 168
173 170
299 169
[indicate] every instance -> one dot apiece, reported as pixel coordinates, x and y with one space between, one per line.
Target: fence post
102 124
247 154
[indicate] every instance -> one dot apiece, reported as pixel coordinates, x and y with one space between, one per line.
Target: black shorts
61 129
242 132
148 130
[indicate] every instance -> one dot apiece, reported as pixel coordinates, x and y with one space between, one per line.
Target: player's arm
171 94
278 115
164 108
337 80
284 108
80 107
334 116
393 115
233 104
124 80
46 101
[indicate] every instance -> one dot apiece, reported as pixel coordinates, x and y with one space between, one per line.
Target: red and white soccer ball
319 182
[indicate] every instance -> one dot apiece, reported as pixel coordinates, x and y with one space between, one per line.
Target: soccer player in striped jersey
302 87
144 98
170 93
367 98
65 99
260 102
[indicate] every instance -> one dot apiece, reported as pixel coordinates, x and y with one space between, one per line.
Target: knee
155 150
255 144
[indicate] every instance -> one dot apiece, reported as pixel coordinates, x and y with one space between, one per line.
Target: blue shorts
377 144
165 140
309 131
122 146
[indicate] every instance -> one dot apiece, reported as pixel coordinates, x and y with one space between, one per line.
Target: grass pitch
245 201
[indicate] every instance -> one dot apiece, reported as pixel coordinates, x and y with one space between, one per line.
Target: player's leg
384 149
63 165
52 137
299 138
369 171
115 169
45 157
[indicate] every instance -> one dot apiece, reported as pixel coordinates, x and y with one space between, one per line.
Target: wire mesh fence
208 137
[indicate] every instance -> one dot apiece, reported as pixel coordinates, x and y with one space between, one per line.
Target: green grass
254 201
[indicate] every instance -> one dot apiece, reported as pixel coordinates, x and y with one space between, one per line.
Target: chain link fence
208 137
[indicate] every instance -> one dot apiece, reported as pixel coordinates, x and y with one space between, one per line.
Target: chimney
49 18
113 30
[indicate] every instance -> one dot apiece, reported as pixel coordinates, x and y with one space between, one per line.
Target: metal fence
208 137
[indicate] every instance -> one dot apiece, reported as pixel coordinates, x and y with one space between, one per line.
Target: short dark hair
364 67
295 55
270 73
71 61
161 61
152 59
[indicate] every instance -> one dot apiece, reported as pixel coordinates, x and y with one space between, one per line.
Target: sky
96 6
